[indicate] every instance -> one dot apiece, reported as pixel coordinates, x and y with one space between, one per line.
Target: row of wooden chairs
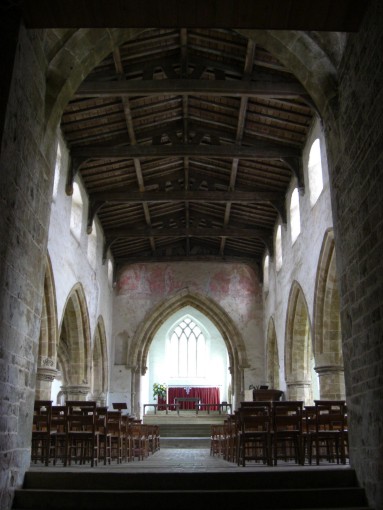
267 432
82 432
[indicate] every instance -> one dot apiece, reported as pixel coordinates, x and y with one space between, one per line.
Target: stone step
185 442
91 490
281 499
184 430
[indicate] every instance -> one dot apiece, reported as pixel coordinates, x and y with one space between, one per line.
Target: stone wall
25 189
300 259
357 188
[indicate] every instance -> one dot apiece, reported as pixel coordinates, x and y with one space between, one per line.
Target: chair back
255 418
330 415
287 416
42 416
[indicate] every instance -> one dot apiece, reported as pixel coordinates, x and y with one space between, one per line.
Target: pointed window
187 349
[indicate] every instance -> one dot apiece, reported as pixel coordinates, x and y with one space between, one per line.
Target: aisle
172 460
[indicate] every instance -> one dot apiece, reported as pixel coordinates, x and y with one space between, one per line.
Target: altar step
185 430
185 417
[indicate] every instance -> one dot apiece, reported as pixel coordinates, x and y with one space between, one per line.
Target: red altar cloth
206 395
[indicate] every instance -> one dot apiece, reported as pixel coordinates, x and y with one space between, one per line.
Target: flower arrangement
159 390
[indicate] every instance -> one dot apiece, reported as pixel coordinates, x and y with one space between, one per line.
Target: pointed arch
74 345
327 325
298 347
272 356
145 333
138 353
99 381
47 354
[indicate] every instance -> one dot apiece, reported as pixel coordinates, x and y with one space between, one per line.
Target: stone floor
183 460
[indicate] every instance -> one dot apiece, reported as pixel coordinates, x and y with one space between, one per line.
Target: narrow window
92 246
315 172
266 273
57 171
295 218
278 249
76 212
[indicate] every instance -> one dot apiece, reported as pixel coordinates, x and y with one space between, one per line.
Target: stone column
331 382
76 391
99 397
299 390
46 372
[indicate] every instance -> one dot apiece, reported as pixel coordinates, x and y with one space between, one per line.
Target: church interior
192 217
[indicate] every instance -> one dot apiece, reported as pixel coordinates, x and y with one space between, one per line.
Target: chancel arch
236 351
298 348
99 378
189 356
74 346
272 356
47 357
327 326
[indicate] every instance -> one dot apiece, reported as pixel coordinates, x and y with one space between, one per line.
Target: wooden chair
287 431
139 441
126 438
104 435
217 440
114 424
329 438
41 431
230 438
82 440
254 433
308 428
58 433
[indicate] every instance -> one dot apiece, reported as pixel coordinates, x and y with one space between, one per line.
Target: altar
196 400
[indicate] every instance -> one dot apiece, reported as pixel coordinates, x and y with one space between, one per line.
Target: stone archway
327 327
298 347
99 379
74 346
47 357
145 333
272 356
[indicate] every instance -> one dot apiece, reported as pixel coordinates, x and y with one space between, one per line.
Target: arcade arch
99 379
327 326
272 357
47 356
74 346
298 348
